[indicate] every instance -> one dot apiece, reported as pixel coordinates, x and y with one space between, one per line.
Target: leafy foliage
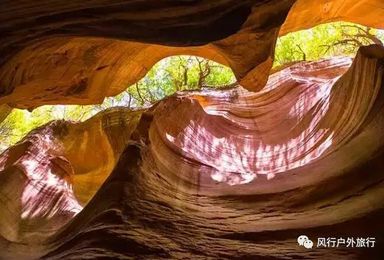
324 41
177 73
180 73
172 74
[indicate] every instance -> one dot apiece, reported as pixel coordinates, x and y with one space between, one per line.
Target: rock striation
226 174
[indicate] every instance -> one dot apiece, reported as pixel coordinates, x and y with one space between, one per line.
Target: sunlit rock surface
211 175
78 53
48 174
217 174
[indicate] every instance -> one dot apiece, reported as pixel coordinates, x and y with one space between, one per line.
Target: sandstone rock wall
231 174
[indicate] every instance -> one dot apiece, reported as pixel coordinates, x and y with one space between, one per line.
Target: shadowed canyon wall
229 174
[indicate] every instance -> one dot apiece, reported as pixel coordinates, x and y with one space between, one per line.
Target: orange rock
218 175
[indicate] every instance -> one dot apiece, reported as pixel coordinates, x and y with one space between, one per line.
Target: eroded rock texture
201 175
44 171
78 53
172 193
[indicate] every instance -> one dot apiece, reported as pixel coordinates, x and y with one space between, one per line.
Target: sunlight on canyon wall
214 174
239 158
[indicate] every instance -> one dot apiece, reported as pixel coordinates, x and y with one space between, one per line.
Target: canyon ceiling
229 174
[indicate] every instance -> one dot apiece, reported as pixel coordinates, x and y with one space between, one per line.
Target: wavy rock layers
46 176
159 201
169 196
65 65
283 127
305 151
80 52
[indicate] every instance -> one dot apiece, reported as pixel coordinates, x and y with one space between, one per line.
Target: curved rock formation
172 196
49 53
228 174
42 174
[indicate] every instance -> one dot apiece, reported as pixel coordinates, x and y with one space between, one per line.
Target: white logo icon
305 241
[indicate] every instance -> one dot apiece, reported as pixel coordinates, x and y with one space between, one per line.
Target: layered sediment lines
79 53
189 184
48 175
232 174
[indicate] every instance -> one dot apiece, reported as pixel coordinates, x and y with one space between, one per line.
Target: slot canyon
234 173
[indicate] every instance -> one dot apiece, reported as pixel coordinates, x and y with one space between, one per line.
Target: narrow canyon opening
191 130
